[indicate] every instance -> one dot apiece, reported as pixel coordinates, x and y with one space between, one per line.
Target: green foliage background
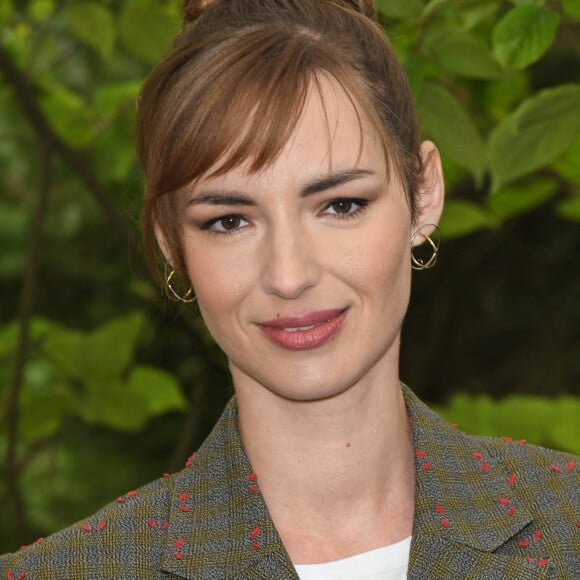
104 386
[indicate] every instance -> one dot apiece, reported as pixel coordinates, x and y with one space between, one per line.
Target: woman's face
302 271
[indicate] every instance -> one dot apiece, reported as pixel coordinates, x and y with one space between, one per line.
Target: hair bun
192 9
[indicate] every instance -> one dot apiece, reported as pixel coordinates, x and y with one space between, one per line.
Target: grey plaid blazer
485 509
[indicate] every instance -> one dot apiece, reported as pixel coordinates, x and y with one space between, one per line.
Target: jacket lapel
465 510
219 526
465 506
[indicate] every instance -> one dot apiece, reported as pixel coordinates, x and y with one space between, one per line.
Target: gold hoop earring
173 295
419 263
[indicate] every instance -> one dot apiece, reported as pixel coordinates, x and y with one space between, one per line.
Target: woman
287 185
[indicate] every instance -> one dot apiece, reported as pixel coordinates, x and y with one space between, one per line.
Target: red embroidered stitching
154 525
566 469
178 549
100 526
507 504
423 460
256 544
535 538
483 465
441 511
253 483
10 575
190 459
182 499
131 493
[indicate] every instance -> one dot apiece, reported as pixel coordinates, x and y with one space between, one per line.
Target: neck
345 465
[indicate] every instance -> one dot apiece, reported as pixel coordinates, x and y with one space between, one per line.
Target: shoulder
107 544
141 534
516 502
550 477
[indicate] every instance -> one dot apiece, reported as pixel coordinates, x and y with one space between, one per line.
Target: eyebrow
335 180
234 198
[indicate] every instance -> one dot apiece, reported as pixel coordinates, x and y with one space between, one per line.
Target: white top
388 563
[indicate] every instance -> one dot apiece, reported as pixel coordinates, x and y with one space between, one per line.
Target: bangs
243 109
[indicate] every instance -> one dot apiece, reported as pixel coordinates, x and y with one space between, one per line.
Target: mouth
305 332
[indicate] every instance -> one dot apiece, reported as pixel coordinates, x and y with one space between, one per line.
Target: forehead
331 133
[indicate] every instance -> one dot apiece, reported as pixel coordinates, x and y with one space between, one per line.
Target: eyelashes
346 208
343 208
227 224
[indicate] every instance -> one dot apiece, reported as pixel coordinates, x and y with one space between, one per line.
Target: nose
290 264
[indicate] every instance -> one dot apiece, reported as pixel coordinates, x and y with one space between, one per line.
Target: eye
226 224
345 207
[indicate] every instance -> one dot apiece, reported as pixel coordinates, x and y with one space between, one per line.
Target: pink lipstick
305 332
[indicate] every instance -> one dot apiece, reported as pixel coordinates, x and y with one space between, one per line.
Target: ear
431 195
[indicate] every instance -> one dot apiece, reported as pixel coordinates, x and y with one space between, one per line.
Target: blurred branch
74 159
27 300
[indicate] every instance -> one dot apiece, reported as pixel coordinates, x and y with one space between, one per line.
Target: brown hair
233 87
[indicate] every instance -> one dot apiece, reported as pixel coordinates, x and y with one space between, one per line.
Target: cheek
221 281
379 263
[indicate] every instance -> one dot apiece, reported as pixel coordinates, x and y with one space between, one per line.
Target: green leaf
462 217
159 390
453 172
93 24
109 98
6 11
568 166
69 115
461 52
571 8
43 413
112 405
102 355
9 334
520 417
565 431
404 10
473 412
482 12
515 200
147 29
539 131
445 120
40 10
569 208
503 95
469 12
524 34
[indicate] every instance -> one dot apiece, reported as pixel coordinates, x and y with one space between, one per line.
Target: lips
305 332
